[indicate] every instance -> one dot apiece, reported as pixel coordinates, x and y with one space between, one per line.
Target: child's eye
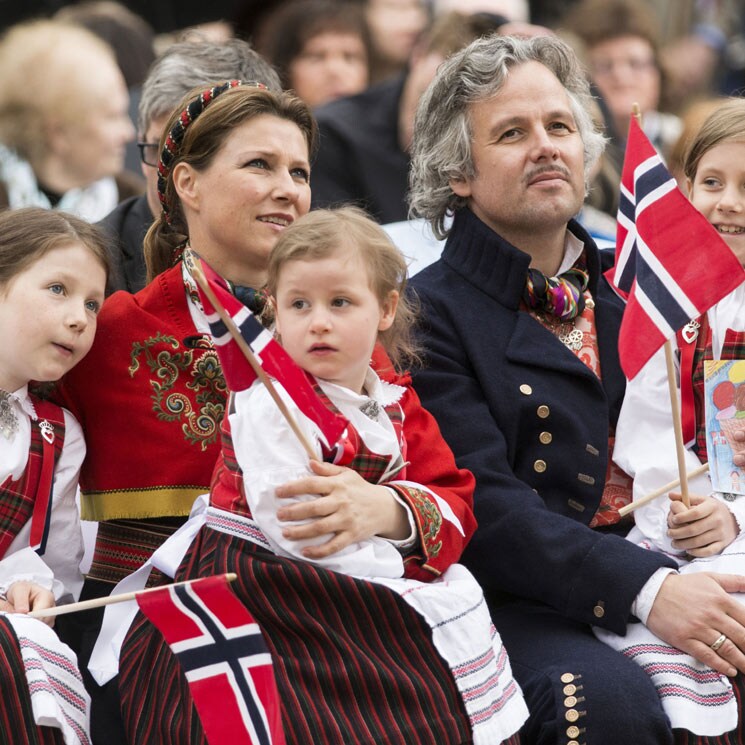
57 289
299 304
339 302
710 182
93 306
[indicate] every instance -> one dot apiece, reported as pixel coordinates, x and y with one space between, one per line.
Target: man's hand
691 611
704 529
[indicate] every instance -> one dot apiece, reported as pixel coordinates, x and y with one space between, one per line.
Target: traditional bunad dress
694 696
41 449
384 641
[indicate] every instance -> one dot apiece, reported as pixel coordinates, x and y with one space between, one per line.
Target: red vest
150 397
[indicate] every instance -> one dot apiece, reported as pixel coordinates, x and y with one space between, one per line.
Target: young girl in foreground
53 270
336 284
705 537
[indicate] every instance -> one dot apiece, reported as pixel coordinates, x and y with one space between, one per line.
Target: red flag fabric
224 658
671 264
275 361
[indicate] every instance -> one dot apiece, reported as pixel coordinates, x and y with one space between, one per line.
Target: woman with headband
234 173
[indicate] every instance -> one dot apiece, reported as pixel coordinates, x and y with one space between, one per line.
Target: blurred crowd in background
69 125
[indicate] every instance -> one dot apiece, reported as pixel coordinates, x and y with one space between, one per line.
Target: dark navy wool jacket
531 421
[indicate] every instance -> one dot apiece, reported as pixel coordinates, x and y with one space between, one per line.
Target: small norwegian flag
224 658
671 264
274 360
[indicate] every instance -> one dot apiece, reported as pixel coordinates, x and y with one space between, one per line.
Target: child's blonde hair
29 233
725 123
321 233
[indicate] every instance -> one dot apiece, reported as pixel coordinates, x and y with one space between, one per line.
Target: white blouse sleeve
645 448
269 455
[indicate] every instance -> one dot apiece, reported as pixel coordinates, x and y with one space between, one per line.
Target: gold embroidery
431 520
200 419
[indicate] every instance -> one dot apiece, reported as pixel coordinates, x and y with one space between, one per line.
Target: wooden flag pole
673 390
251 357
647 498
680 449
61 610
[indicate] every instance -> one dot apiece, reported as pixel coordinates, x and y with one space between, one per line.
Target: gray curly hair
441 149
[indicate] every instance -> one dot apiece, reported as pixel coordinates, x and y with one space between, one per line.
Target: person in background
133 42
621 50
64 121
320 48
363 156
180 68
395 26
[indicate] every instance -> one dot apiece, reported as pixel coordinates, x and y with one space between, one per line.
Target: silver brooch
573 339
8 418
371 409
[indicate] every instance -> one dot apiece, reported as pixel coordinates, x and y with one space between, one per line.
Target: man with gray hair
180 68
522 374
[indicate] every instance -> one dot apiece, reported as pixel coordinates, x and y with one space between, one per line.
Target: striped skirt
17 726
353 662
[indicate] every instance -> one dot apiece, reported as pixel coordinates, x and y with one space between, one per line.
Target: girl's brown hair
321 233
726 122
202 141
30 233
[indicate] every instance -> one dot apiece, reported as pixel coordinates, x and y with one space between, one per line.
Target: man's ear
461 187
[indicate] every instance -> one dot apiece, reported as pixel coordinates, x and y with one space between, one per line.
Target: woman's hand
704 529
27 596
346 505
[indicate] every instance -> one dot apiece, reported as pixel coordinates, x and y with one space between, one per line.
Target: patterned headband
176 135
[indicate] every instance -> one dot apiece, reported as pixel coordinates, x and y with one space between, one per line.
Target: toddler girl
336 284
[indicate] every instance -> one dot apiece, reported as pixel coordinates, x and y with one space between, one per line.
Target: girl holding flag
706 536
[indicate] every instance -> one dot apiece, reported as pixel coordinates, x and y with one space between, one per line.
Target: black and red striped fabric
353 662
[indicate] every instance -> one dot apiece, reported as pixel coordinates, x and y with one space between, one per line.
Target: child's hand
27 596
739 458
704 529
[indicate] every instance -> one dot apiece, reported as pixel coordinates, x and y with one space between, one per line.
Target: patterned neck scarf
562 296
254 300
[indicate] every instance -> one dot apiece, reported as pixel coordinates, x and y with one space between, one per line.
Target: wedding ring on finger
718 643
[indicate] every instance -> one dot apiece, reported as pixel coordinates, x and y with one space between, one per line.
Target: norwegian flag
224 657
275 361
671 264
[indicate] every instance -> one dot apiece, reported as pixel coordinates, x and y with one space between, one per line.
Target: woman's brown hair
201 142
